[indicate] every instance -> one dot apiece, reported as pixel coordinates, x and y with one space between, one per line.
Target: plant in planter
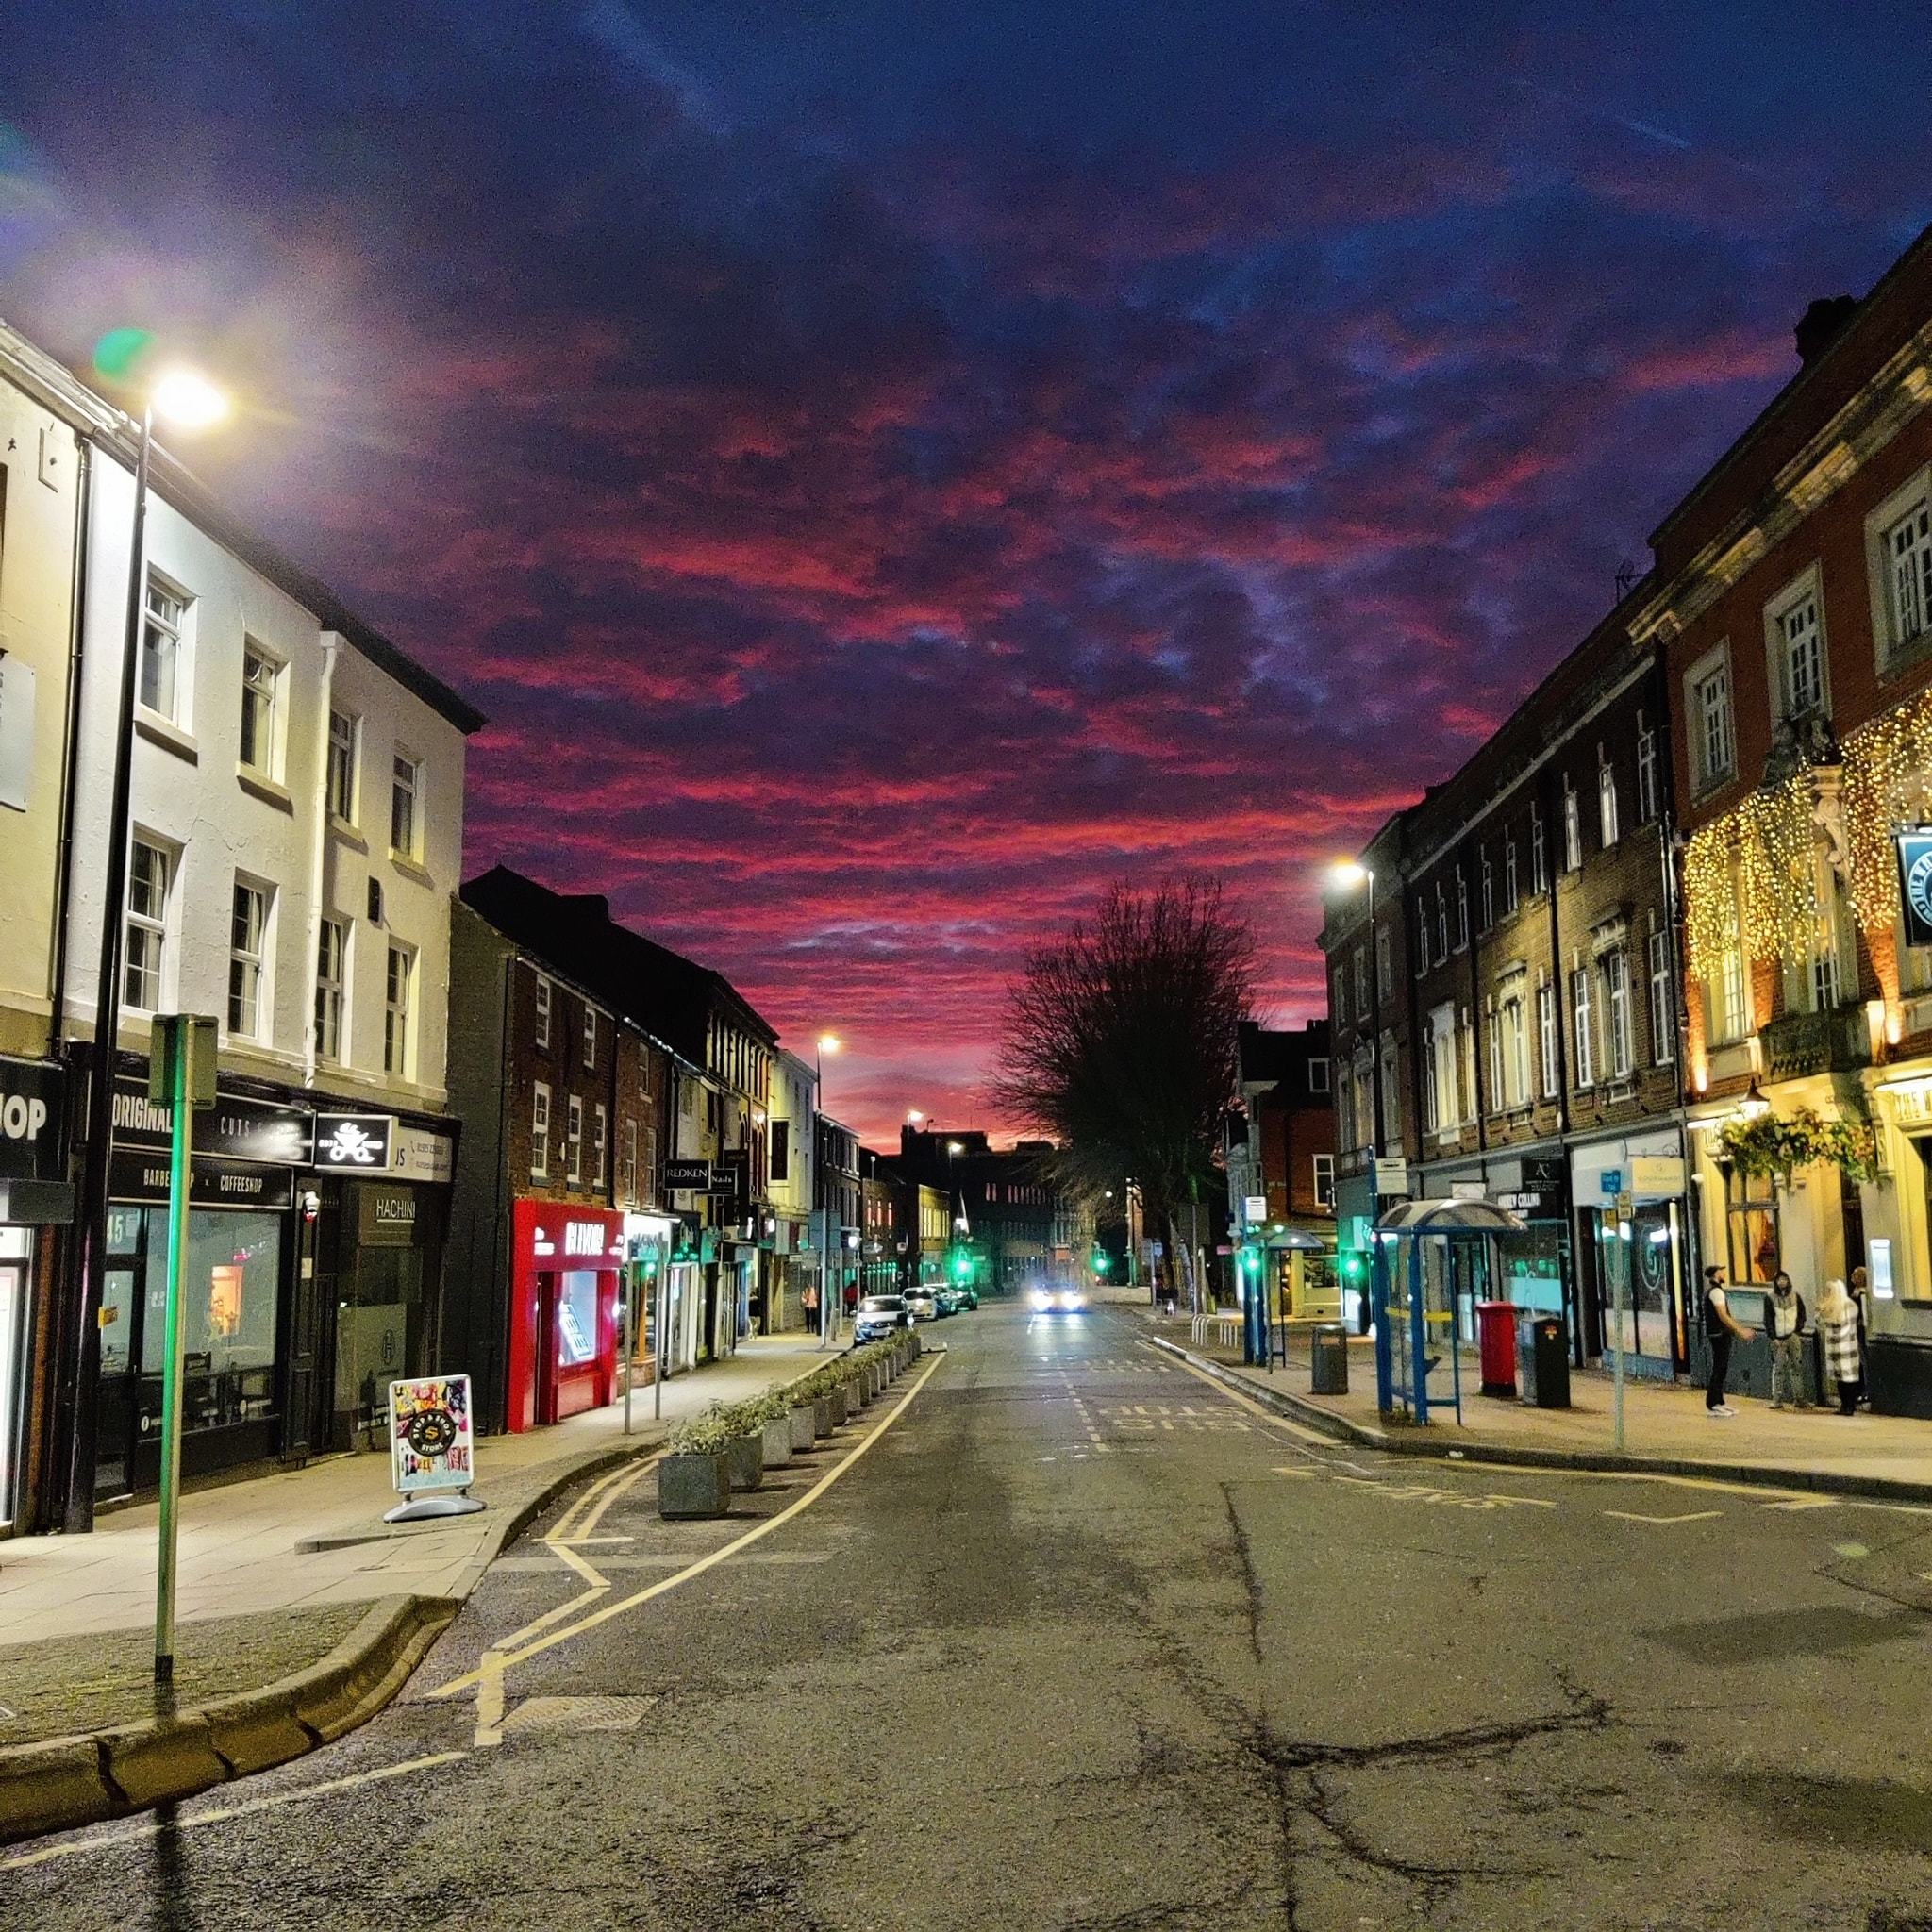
695 1478
771 1414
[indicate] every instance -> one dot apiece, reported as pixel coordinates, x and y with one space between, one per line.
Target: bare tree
1121 1043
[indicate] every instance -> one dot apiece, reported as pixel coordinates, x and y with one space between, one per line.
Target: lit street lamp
831 1280
1348 876
191 402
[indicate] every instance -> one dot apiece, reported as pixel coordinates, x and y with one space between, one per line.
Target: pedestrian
1837 1327
1783 1328
1720 1327
1860 1300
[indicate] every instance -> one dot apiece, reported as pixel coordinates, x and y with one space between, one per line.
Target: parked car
947 1297
1059 1300
920 1305
968 1294
880 1315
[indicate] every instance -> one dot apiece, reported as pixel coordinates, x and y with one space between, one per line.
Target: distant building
1281 1158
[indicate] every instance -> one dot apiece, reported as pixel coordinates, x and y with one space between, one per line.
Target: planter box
821 1416
803 1424
857 1394
841 1408
778 1442
746 1457
694 1486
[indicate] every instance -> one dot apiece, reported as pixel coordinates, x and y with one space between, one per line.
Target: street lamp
831 1280
1348 876
192 402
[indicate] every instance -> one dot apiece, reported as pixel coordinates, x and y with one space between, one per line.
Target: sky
888 470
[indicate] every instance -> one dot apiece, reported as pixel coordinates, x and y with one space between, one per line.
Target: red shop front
563 1341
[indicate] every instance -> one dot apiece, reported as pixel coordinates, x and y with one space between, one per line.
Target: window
1337 997
1318 1075
331 962
574 1140
1461 911
600 1129
1907 557
539 1131
343 734
1344 1116
1663 1005
1509 874
260 687
1646 773
542 1011
1361 980
405 808
150 875
1713 743
1515 1051
1538 859
1432 1102
248 1013
1572 828
1733 1020
1797 636
1605 799
1546 1035
163 651
1488 893
1422 935
1495 1033
627 1171
781 1151
1392 1100
589 1035
1619 1046
1582 1021
1324 1180
397 1028
1442 926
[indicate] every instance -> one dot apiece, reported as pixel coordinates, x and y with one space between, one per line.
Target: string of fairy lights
1753 881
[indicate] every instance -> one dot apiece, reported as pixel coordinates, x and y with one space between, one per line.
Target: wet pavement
1060 1634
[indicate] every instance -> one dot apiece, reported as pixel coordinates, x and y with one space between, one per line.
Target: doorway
15 1248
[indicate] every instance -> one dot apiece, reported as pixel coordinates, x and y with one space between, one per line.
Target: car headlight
1042 1303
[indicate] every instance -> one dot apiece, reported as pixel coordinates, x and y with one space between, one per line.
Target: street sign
1611 1183
1254 1209
1392 1174
1626 1205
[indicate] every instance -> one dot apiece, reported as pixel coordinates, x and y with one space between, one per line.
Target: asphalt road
1078 1640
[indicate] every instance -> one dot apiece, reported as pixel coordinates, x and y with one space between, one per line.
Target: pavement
1666 1425
1065 1633
290 1586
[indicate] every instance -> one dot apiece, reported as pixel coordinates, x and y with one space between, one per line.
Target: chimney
1819 327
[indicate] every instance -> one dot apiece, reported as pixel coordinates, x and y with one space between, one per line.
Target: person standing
1783 1328
1859 1297
1720 1328
1838 1328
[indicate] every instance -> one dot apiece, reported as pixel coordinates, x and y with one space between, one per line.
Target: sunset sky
887 470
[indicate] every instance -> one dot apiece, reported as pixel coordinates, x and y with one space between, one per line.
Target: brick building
1281 1156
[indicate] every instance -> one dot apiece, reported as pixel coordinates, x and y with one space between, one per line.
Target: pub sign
1915 883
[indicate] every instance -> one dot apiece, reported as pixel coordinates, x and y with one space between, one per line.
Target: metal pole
79 1505
181 1133
661 1352
1620 1262
630 1339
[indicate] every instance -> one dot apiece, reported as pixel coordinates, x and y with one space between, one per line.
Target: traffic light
962 1266
1101 1261
1355 1264
1251 1262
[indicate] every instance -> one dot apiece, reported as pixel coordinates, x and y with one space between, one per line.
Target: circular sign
1919 885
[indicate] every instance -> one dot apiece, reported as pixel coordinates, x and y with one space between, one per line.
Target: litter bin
1543 1362
1495 1328
1330 1360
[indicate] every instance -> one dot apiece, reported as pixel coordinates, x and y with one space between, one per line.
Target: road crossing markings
1240 1401
133 1834
1690 1516
603 1612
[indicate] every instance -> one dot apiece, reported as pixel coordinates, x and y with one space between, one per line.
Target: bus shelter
1428 1254
1265 1317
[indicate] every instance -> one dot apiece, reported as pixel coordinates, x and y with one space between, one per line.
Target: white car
1059 1300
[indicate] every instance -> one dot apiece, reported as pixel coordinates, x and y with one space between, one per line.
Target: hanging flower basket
1775 1146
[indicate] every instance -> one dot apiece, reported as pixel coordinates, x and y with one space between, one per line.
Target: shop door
299 1393
12 1320
122 1302
707 1327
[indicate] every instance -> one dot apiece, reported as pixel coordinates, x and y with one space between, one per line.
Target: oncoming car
1059 1300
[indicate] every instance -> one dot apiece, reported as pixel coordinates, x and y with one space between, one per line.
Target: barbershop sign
30 1095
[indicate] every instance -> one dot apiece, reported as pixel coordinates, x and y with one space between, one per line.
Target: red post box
1495 1328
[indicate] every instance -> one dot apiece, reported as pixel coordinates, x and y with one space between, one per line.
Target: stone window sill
258 785
169 736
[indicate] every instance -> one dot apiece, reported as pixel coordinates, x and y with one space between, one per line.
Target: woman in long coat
1838 1328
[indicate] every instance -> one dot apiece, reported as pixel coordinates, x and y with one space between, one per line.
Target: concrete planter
694 1486
842 1408
746 1457
822 1421
804 1426
778 1442
857 1394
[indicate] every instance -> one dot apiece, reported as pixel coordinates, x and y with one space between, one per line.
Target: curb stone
1419 1443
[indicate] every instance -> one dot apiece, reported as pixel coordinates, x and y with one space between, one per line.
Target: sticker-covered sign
432 1443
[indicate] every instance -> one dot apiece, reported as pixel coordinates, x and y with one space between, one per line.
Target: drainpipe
318 856
70 775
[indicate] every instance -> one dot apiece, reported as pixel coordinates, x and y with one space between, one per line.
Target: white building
794 1144
297 835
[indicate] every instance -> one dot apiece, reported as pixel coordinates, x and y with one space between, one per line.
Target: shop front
567 1263
1647 1267
245 1235
381 1194
1889 1227
34 1199
644 1316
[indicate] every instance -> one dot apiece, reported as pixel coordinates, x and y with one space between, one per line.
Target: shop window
230 1289
576 1318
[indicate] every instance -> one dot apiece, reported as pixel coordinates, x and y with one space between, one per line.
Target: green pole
182 1117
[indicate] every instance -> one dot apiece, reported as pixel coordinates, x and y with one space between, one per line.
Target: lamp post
1349 873
831 1279
193 403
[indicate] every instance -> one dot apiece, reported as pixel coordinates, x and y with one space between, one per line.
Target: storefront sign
1915 883
432 1439
687 1176
30 1095
232 1128
142 1178
1653 1175
417 1155
386 1217
355 1143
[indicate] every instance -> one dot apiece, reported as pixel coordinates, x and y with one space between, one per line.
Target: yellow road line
605 1611
1690 1516
489 1700
132 1833
583 1531
568 1518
